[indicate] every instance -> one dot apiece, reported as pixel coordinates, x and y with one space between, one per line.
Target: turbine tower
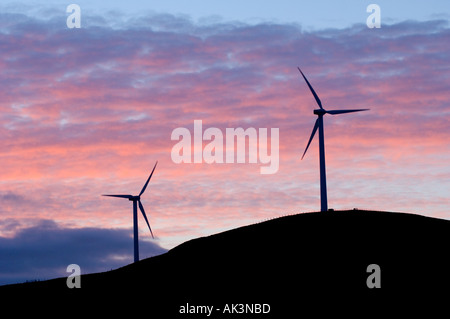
319 125
137 201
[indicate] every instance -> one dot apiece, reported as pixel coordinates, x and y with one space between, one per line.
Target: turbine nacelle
320 112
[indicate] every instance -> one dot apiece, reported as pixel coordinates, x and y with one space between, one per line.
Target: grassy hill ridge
281 261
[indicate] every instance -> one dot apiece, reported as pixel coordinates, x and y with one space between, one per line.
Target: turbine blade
334 112
312 136
145 217
120 196
148 180
312 90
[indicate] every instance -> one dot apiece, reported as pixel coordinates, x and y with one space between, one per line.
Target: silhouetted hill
293 263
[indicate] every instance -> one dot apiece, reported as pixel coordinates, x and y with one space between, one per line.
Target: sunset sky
89 111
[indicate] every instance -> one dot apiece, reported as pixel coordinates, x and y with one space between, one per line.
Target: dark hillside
302 259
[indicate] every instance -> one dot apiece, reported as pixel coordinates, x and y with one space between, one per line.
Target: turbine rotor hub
135 198
320 112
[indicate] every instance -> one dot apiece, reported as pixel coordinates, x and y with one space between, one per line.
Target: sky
88 111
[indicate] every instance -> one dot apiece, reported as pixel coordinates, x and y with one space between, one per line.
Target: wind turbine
137 200
319 125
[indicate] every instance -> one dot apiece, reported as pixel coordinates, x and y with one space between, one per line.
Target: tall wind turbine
137 200
319 125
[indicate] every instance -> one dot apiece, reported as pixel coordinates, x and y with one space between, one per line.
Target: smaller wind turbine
137 200
319 125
